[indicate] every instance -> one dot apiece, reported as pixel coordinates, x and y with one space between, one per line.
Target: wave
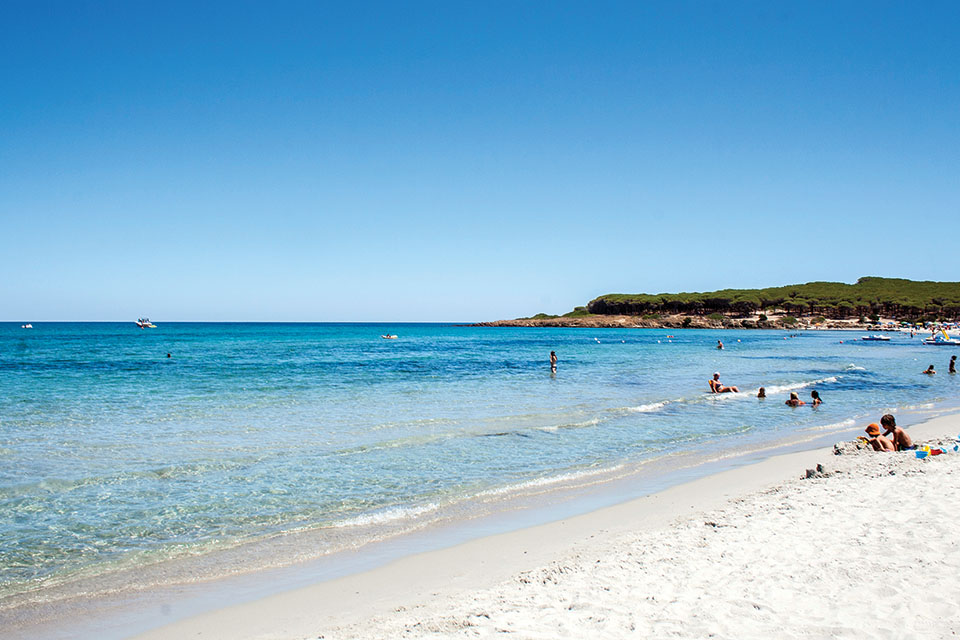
384 516
571 425
647 408
781 388
834 426
853 367
547 481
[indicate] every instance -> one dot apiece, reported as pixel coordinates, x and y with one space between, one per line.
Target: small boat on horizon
876 338
144 323
390 336
26 326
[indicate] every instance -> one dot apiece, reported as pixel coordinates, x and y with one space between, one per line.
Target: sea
201 450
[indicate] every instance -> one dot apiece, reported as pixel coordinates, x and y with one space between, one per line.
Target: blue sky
454 161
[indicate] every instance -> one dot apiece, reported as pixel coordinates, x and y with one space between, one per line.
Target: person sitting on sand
901 441
930 370
816 397
794 400
877 441
762 393
717 387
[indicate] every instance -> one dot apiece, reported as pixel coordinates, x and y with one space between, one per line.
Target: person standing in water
953 365
553 362
719 345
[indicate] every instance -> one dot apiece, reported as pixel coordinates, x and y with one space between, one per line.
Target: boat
26 326
876 338
390 336
144 323
938 341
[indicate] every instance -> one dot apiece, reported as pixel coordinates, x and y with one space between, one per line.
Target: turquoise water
113 455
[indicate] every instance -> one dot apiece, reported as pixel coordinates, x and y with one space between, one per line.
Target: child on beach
877 441
794 400
900 439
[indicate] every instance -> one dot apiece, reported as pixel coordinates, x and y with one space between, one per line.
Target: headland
871 303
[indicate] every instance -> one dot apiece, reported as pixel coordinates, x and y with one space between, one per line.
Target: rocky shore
675 322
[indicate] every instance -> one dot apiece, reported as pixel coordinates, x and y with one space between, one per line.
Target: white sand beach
868 549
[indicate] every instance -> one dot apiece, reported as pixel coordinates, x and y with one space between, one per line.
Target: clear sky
460 161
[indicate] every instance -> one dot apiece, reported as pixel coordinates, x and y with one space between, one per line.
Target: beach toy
921 454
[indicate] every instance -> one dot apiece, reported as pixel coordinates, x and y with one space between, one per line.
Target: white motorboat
144 323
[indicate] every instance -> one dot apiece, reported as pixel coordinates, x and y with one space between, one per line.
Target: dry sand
871 549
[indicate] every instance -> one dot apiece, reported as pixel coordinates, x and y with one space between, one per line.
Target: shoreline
678 322
349 604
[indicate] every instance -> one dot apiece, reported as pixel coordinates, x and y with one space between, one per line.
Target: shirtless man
930 371
877 441
900 439
953 365
717 387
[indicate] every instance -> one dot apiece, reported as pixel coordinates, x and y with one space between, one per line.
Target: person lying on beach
930 370
877 441
717 387
794 400
816 397
901 441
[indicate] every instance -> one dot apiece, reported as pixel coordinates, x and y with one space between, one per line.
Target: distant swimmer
717 387
930 370
553 362
762 393
901 441
953 365
794 400
719 345
877 441
816 397
169 356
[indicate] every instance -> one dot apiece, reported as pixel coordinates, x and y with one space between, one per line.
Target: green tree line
888 297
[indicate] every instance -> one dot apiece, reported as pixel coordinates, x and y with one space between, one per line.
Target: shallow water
114 456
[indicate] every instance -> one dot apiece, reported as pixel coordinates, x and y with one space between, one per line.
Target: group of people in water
794 401
893 438
952 367
718 387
